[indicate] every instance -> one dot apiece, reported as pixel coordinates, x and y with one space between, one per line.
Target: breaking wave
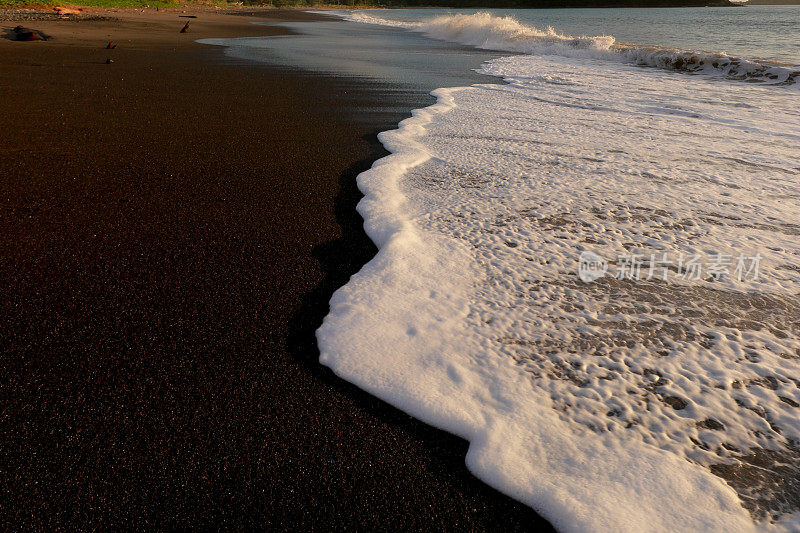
506 34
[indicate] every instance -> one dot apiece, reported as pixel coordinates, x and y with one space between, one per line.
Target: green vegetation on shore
5 4
97 3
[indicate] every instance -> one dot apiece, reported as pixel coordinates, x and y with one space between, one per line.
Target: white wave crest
367 18
485 30
506 34
709 63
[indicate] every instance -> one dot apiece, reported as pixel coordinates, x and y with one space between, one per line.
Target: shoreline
169 259
333 7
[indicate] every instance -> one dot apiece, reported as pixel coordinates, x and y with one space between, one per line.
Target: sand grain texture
172 226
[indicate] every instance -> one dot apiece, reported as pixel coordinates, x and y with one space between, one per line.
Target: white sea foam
618 405
484 30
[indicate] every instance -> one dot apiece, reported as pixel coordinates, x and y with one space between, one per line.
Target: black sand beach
172 226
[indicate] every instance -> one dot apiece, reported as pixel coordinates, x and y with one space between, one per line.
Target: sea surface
589 259
756 32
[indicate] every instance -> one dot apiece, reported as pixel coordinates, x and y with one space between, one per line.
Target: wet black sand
166 254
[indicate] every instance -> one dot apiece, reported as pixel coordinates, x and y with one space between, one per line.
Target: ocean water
590 271
756 32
